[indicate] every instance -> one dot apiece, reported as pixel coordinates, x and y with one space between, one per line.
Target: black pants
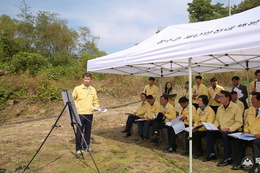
171 137
197 140
212 135
256 147
143 128
86 121
130 120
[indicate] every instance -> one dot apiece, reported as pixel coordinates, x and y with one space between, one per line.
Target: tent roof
227 44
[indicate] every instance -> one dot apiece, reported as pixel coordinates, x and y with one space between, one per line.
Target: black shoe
237 167
210 157
169 150
124 131
127 135
155 136
140 139
225 162
198 154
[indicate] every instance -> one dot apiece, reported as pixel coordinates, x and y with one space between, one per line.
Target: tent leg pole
190 116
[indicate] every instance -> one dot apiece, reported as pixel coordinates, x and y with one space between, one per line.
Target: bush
31 62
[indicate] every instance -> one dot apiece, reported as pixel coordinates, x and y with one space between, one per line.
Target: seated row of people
228 119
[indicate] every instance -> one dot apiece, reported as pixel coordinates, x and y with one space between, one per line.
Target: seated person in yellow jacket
228 120
140 111
204 114
252 126
144 126
169 113
184 102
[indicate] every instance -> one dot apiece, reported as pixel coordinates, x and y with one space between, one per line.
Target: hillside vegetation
40 57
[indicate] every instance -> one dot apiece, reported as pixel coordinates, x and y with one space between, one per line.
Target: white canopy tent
227 44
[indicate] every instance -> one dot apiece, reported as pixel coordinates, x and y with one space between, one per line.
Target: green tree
203 10
245 5
9 44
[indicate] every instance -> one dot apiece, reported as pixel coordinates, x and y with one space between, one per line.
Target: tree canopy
43 33
203 10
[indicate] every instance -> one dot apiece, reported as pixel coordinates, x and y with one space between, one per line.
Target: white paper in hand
100 110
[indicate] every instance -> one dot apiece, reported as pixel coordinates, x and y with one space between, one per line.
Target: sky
120 24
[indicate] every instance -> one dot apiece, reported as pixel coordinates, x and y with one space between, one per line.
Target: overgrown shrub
31 62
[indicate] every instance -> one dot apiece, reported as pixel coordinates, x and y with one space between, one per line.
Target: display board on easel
71 109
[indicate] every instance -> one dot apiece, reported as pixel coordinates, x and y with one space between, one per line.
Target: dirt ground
112 153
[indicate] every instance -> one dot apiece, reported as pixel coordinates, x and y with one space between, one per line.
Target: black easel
73 121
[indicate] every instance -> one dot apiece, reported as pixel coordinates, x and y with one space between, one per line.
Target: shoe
155 136
154 143
140 139
78 152
127 135
124 131
87 150
169 150
225 162
237 167
256 169
198 154
210 157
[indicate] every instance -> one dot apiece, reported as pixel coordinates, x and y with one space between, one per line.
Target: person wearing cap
213 94
151 89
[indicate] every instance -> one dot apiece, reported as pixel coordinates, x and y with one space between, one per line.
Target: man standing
151 89
241 91
197 90
140 111
228 120
213 94
252 86
85 97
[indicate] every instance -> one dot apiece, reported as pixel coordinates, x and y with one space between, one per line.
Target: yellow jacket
211 93
153 110
84 99
151 90
231 117
170 112
252 124
200 90
208 115
185 112
240 104
252 86
171 99
142 108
